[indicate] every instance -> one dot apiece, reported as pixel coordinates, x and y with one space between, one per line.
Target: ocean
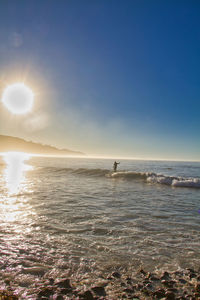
74 216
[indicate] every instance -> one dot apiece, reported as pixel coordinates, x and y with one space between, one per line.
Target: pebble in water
106 287
87 295
99 290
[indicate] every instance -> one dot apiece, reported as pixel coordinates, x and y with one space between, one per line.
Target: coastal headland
10 143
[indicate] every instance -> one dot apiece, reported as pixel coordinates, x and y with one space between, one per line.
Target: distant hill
9 143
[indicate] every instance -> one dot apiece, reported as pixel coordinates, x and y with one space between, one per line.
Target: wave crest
131 175
149 177
154 178
91 172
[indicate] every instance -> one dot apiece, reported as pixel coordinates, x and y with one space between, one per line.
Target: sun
18 98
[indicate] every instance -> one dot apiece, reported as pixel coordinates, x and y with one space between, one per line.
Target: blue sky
111 78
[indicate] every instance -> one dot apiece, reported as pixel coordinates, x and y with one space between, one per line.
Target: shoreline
168 285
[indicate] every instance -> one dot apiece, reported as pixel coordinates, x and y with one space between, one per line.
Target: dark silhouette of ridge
10 143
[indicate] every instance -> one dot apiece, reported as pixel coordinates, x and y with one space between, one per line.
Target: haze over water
75 216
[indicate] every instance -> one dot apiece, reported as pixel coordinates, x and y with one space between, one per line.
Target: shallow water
74 216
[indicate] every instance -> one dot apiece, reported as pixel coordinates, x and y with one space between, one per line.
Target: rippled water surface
65 215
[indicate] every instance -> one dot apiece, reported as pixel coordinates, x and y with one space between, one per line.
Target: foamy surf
149 177
159 179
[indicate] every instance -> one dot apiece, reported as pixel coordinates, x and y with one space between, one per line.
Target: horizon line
101 157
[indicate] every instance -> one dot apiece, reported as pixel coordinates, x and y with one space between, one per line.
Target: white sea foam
149 177
130 175
161 179
174 181
191 182
158 179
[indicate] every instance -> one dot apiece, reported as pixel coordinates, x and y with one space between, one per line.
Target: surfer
115 166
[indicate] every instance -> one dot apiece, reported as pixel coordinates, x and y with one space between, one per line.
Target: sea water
75 216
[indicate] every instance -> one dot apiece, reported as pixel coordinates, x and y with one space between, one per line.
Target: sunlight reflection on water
61 218
15 172
14 207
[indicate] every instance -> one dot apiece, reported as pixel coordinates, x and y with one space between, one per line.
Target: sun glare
15 171
18 98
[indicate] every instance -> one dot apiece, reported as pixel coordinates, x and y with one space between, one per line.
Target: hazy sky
111 78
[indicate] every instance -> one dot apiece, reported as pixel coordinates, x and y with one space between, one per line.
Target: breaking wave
91 172
149 177
175 181
154 178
